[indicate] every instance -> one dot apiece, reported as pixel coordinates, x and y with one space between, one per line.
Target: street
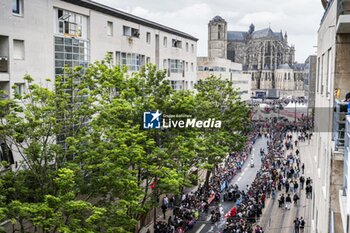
242 180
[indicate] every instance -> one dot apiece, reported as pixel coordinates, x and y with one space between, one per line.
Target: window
19 88
129 31
6 153
186 66
177 43
17 7
109 28
322 70
329 72
186 47
165 41
176 66
71 24
148 37
219 31
165 64
18 49
131 60
192 48
126 31
70 52
148 60
192 67
176 85
318 75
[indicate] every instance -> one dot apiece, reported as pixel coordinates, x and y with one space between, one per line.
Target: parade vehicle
251 162
231 194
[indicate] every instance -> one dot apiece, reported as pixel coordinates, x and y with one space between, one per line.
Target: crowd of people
281 176
195 203
281 173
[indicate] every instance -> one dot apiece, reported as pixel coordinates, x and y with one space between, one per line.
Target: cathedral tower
217 38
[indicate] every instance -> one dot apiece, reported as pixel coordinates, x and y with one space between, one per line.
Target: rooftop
263 33
129 17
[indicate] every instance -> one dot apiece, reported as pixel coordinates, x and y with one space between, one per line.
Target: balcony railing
339 117
3 64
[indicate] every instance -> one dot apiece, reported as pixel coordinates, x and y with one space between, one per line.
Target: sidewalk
277 220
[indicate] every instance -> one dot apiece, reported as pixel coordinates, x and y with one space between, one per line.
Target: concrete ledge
4 77
343 25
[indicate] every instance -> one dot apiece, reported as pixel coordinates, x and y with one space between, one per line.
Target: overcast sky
300 18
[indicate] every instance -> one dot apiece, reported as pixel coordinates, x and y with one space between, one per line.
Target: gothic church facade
264 54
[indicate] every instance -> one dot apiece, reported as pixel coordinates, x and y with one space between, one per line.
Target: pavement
277 220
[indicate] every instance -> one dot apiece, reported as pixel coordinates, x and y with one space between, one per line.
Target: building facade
264 54
41 37
226 70
330 196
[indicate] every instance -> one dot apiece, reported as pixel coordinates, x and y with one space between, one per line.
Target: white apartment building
40 37
331 202
227 70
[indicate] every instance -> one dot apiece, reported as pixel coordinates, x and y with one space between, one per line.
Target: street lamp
295 111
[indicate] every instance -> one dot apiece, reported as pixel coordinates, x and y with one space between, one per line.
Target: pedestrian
273 193
296 186
287 187
295 199
288 202
164 210
281 201
302 168
291 186
302 224
296 225
302 181
166 201
172 202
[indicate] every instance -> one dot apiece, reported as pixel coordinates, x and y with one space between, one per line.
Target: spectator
296 225
302 224
166 201
295 199
288 202
164 208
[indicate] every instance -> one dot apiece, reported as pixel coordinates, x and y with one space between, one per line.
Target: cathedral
264 54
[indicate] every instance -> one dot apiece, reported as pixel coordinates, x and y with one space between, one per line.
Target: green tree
217 99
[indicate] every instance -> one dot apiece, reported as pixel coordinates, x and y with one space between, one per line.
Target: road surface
246 177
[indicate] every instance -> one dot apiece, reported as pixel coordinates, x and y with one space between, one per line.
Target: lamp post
295 111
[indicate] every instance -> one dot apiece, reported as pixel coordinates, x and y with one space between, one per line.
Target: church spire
251 28
285 37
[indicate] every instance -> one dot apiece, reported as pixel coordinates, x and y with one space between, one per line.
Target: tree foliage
87 164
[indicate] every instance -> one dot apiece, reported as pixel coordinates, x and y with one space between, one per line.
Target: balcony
343 22
339 117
